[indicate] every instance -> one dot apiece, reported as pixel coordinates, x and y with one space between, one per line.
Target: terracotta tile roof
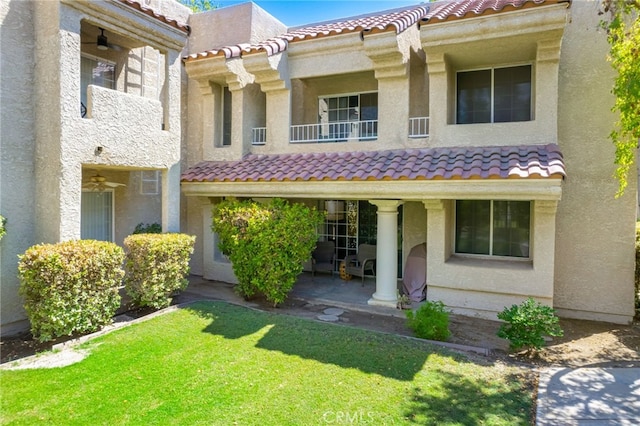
148 11
498 162
453 10
397 20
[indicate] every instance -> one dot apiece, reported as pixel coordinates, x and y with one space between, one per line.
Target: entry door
97 216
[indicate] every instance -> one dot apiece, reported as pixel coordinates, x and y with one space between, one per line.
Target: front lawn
220 364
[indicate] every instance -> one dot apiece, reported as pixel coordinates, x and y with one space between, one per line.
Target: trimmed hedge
156 267
70 287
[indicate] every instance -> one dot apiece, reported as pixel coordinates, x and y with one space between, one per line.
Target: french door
97 213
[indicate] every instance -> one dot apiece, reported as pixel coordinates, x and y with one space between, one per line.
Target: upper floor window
226 116
349 116
494 228
96 71
494 95
150 182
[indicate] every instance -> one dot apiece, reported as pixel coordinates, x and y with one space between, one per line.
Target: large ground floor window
493 227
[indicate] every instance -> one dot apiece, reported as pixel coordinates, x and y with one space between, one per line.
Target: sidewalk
589 396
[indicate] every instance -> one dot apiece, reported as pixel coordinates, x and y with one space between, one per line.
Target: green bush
266 243
70 287
430 321
527 324
3 228
153 228
156 267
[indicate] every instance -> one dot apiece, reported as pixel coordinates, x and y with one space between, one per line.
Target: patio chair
362 262
323 257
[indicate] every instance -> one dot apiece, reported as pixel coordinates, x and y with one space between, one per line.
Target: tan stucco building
478 128
90 90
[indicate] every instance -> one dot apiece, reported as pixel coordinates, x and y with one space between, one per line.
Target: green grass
219 364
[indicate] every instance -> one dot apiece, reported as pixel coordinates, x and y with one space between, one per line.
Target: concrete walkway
589 396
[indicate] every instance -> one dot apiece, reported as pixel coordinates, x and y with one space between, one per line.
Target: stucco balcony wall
129 130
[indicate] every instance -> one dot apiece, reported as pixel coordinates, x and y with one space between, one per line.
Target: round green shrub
70 287
430 321
527 324
266 243
156 267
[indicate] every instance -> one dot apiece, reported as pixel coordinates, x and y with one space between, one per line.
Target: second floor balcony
347 131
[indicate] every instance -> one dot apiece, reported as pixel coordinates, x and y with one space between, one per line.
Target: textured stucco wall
17 145
595 238
226 26
46 145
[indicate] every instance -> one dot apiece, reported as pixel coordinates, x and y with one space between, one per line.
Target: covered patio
425 184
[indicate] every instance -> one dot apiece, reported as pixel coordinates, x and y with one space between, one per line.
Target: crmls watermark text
347 417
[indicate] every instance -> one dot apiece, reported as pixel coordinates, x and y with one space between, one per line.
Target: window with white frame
226 116
493 227
494 95
95 71
150 182
349 116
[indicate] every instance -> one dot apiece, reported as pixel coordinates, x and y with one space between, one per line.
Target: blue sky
293 13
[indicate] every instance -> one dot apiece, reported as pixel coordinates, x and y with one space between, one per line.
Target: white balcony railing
334 132
258 135
419 127
340 132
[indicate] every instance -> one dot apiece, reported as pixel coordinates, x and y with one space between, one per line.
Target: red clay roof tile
452 10
149 11
397 19
525 161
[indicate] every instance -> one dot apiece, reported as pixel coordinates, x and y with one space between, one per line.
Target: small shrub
156 267
527 324
70 287
430 321
153 228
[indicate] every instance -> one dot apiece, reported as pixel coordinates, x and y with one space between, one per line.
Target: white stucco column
171 199
272 74
387 254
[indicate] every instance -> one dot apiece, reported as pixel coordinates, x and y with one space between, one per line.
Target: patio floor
321 289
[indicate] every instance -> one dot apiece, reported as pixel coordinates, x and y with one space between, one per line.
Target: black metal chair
323 258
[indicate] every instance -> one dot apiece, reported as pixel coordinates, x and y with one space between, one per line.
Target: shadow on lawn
390 356
459 400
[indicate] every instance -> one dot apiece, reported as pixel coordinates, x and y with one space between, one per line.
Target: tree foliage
266 243
198 5
623 33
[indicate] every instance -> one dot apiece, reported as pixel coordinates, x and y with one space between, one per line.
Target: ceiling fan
99 183
102 42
